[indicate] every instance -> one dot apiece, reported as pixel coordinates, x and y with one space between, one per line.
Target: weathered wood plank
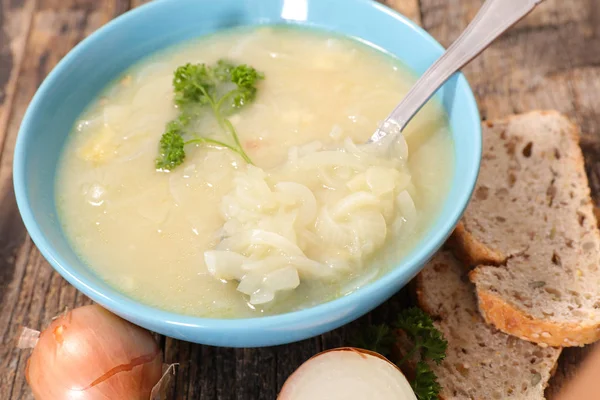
408 8
39 34
15 22
15 19
137 3
549 60
546 61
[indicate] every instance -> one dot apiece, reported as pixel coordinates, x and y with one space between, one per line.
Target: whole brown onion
91 354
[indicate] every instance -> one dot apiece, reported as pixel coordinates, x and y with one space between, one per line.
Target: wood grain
408 8
15 19
31 292
549 60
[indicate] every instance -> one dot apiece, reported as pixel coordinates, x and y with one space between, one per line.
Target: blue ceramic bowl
99 59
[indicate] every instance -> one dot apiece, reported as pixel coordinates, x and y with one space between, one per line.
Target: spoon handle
493 19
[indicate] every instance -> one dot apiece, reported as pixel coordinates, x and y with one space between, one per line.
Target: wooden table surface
550 60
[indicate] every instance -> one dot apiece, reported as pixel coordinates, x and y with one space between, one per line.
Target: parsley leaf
171 153
377 338
194 84
428 341
245 78
428 344
225 88
425 384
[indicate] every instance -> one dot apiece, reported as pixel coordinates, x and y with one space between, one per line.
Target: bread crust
496 308
420 295
449 321
511 320
471 251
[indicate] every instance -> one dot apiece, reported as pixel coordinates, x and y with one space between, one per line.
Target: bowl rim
133 309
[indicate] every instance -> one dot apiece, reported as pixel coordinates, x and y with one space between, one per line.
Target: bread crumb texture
481 362
531 233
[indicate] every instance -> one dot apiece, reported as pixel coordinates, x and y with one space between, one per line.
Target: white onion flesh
347 374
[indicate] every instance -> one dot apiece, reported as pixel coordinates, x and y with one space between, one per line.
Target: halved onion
347 374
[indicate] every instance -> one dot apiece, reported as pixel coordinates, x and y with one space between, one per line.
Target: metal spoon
492 20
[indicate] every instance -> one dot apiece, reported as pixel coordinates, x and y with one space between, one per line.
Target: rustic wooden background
549 60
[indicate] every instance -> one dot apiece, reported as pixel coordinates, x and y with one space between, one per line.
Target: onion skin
93 354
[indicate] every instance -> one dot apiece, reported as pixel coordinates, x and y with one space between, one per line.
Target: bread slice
481 362
531 230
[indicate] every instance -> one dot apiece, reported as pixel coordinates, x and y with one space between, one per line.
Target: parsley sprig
425 384
427 340
224 88
428 344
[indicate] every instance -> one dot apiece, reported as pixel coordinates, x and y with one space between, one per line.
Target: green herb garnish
425 384
428 341
428 345
224 88
172 153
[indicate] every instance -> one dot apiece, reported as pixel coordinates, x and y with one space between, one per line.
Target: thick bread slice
531 229
481 362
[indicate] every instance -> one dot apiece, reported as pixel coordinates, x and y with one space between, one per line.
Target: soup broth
156 235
